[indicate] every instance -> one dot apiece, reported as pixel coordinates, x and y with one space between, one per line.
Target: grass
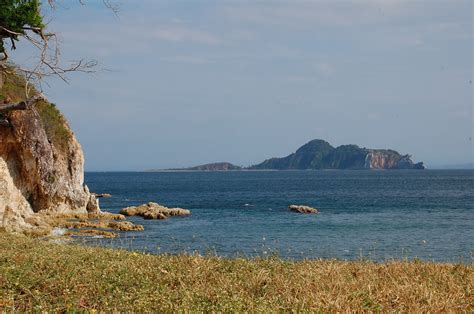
40 276
13 87
54 124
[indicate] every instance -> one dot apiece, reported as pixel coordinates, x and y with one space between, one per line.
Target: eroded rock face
380 160
41 168
388 159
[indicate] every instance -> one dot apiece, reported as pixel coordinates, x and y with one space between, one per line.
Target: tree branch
22 105
48 63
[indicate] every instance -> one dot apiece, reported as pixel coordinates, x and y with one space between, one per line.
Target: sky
182 83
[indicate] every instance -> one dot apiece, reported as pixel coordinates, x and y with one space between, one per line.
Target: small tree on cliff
22 19
18 18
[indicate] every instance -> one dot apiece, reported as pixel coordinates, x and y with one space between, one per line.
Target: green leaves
16 17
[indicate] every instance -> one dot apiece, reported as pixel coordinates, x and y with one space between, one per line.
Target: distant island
216 166
319 154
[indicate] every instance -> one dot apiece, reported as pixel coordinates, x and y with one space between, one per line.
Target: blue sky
182 83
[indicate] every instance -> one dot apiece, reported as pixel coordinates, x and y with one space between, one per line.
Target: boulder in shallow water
154 211
302 209
154 215
124 226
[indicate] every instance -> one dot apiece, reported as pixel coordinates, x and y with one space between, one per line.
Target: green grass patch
54 124
13 87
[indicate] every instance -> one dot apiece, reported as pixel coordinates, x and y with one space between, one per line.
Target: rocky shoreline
97 224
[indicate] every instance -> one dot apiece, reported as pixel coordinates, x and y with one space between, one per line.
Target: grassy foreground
36 275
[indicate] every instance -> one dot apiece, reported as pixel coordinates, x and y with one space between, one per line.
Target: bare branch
112 6
23 105
48 63
6 30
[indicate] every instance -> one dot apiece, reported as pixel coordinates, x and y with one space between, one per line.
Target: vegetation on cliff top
12 86
54 123
38 276
23 19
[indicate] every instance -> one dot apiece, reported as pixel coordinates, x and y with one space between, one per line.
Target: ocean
376 215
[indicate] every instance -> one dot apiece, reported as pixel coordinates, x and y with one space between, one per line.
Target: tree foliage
23 19
17 17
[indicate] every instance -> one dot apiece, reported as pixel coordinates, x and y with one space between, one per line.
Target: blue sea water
363 214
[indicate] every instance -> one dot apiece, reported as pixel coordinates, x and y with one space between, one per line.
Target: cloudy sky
189 82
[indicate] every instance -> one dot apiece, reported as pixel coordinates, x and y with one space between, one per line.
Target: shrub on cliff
17 17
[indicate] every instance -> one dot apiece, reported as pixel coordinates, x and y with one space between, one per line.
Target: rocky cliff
319 154
41 162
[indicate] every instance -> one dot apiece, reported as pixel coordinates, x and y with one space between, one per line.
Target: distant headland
216 166
318 155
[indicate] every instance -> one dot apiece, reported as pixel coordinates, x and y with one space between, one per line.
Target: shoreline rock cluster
302 209
92 224
153 210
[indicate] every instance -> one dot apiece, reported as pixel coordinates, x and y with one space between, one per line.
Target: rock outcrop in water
302 209
154 211
41 162
319 154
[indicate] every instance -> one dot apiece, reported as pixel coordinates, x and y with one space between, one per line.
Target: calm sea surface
370 214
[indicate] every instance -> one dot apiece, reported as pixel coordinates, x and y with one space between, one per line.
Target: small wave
57 232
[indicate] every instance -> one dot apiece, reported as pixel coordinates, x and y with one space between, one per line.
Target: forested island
319 154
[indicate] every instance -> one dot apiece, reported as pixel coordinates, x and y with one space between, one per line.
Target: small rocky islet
303 209
153 210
